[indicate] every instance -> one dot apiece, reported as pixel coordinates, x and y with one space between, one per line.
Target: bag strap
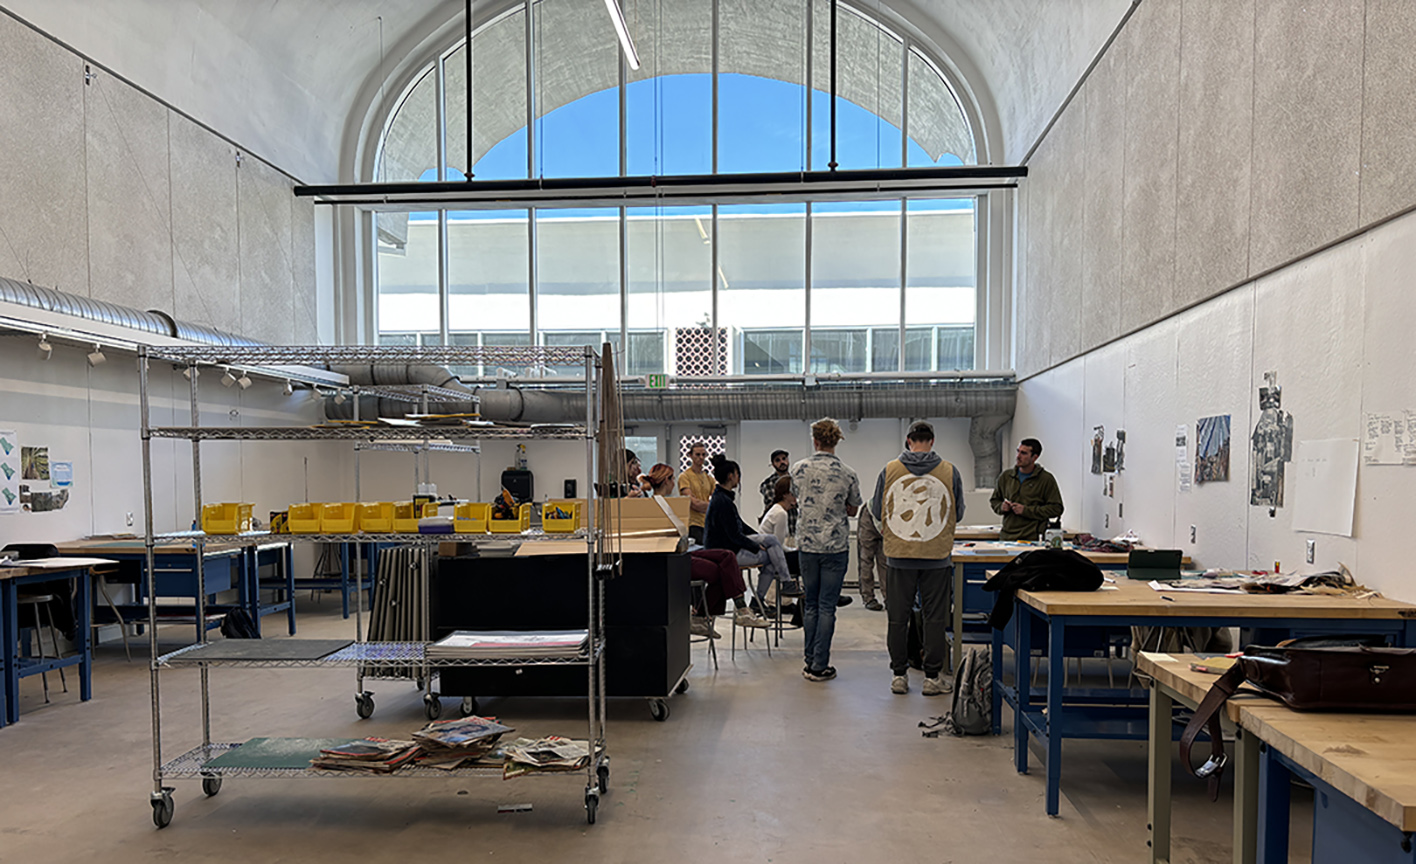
673 517
1207 715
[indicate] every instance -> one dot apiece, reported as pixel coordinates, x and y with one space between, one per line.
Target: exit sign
656 381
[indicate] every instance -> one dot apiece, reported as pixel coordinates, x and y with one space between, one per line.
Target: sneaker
792 589
702 627
874 605
843 601
899 684
748 618
936 686
819 674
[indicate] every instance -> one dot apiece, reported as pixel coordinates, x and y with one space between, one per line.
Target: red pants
718 568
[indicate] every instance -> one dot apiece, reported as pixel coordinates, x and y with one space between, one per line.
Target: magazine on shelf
481 732
371 755
493 644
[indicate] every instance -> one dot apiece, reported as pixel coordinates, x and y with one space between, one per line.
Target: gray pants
871 556
933 587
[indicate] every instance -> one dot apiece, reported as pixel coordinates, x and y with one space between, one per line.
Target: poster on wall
34 463
1098 438
1389 439
1212 449
10 470
1325 485
1273 446
1120 450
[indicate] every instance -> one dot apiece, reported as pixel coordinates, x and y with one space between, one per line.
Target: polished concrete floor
754 764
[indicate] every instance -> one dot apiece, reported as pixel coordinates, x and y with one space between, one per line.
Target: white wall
1336 329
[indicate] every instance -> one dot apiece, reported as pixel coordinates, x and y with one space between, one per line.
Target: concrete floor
755 764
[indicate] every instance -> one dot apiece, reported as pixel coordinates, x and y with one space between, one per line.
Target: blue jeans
822 574
771 562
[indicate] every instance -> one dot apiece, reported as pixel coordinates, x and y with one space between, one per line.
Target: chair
699 593
749 636
38 606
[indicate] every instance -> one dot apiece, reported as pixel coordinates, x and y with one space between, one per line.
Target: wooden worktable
130 545
1134 597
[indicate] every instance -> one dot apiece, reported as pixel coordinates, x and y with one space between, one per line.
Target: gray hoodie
918 464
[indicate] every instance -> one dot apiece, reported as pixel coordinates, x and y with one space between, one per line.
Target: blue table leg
1274 788
1056 676
997 682
287 563
250 580
1022 680
84 635
9 607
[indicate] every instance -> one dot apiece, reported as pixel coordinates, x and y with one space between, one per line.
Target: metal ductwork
101 311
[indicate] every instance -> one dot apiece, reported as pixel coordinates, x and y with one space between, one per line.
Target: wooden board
1371 758
114 546
1133 598
52 565
628 546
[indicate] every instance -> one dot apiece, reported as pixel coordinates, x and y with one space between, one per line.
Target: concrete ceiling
284 77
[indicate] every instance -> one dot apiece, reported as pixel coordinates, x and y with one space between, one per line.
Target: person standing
828 492
918 500
870 559
768 489
696 485
1026 495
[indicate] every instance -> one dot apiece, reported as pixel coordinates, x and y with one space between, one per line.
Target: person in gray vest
918 500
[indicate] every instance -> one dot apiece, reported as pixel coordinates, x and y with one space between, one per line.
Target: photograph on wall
34 463
1120 450
1098 437
1273 446
10 470
1212 449
44 502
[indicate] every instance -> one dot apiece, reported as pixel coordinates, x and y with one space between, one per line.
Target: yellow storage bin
406 515
337 518
511 526
374 518
226 518
471 518
553 524
304 518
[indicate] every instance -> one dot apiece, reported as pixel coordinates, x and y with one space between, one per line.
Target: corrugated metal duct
89 309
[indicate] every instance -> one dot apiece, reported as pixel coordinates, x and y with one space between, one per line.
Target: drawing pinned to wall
1098 438
1120 450
10 467
1108 485
34 463
1273 445
1390 439
44 502
1212 449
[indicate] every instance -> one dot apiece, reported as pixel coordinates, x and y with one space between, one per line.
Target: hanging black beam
832 164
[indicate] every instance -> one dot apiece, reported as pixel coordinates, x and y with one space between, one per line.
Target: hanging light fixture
289 388
228 379
622 31
97 356
244 380
44 350
191 372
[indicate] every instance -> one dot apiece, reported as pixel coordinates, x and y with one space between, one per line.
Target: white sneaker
936 686
899 684
702 627
745 617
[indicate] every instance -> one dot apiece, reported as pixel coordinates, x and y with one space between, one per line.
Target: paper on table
1168 588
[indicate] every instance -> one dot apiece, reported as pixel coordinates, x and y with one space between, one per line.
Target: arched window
741 288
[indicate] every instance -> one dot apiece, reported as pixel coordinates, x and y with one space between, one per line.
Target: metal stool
749 635
699 591
39 603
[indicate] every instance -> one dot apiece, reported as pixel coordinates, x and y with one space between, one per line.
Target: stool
748 636
699 593
38 604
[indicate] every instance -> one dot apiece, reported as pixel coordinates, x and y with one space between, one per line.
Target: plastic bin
511 526
406 515
338 518
374 518
304 518
552 525
471 518
229 518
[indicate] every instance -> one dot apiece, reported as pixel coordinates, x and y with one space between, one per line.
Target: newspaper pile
545 756
1332 582
453 744
369 756
506 644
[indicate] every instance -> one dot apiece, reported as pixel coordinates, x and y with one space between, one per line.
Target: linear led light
622 31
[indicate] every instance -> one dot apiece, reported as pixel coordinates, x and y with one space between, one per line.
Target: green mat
276 752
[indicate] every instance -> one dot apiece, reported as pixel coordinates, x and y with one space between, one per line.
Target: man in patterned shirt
768 488
828 492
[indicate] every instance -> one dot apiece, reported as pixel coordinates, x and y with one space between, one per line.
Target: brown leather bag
1322 673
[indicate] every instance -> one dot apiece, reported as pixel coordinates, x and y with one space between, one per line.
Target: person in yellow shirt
696 484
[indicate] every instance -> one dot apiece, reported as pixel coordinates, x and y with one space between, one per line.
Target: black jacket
1040 570
723 528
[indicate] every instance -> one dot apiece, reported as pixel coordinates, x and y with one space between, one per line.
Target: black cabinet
646 621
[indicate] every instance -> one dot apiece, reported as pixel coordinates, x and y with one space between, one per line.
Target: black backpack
972 711
238 625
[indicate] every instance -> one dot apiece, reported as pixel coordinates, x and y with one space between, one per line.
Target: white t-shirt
775 523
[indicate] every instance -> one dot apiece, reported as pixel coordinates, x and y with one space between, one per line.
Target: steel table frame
16 666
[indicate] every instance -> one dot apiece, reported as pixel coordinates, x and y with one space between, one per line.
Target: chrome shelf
374 655
531 535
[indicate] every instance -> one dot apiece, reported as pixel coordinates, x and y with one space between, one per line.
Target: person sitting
723 528
777 522
718 568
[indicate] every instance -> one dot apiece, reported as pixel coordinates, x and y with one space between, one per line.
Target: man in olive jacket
1026 496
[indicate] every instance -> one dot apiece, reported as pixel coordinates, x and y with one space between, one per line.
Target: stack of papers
505 644
546 755
371 756
454 743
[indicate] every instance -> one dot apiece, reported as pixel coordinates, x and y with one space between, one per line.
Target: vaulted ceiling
290 79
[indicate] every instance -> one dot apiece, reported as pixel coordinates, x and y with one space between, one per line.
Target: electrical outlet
1192 533
130 519
1312 550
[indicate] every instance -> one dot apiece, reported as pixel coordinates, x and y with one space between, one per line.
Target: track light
97 356
339 398
44 350
228 379
191 372
289 388
244 380
622 31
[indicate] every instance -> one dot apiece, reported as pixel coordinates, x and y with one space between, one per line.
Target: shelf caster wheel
364 705
469 706
602 775
682 687
211 785
592 803
432 706
659 709
162 808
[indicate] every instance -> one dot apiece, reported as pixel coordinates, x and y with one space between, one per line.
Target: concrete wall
112 195
1167 260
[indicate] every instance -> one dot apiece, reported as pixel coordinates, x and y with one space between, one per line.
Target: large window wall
740 289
